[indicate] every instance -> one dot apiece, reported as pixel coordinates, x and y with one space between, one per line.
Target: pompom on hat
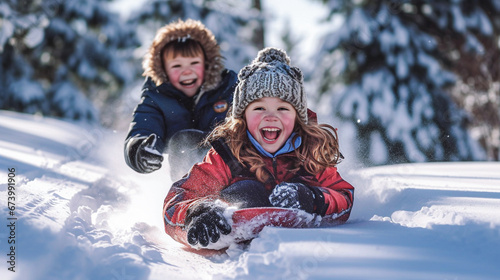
270 75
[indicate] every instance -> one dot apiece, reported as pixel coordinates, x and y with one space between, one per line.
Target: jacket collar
169 90
287 147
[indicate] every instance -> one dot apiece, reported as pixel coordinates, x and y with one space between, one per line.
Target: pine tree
397 79
475 29
232 22
63 58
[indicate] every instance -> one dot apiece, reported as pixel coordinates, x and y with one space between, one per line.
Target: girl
270 152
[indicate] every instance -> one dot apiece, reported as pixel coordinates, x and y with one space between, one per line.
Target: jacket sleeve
147 119
338 195
204 182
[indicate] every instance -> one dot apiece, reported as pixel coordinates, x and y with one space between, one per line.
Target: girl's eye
283 109
176 66
258 108
195 62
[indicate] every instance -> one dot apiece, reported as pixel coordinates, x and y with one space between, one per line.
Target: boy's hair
179 31
183 47
318 151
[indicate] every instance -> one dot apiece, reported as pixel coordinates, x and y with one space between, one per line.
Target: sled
253 220
248 223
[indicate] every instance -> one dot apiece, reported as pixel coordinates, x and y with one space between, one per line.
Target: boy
186 93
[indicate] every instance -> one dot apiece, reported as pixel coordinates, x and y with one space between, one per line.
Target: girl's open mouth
270 134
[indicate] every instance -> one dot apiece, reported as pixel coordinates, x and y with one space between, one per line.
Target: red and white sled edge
247 223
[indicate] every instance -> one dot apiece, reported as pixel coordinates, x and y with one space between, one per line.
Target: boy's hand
148 158
293 195
205 223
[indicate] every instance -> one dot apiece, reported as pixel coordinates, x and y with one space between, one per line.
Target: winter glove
298 196
205 223
147 158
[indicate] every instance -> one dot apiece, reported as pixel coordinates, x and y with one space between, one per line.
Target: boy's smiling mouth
270 133
188 82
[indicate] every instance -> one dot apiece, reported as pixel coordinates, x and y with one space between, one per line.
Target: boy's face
185 73
270 120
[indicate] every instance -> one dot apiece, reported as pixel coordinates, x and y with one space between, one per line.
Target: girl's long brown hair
319 148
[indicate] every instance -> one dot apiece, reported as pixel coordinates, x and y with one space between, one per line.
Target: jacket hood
195 30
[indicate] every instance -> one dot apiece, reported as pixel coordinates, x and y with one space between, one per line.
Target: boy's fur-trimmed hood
195 30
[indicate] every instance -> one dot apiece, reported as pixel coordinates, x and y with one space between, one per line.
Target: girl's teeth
270 134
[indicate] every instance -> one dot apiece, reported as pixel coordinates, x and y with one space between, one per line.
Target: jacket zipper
275 168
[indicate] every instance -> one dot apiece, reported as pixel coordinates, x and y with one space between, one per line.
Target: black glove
298 196
205 223
147 158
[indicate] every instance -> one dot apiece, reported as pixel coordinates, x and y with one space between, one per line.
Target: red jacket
208 178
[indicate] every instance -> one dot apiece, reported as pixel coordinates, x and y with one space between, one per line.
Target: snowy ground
83 214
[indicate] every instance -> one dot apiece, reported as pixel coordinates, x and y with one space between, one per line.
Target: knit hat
270 75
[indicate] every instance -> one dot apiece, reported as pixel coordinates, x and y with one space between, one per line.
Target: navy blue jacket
165 110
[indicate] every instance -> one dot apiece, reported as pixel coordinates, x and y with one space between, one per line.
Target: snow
83 214
378 150
28 91
7 28
34 37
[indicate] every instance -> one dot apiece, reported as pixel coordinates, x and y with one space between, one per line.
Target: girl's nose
270 116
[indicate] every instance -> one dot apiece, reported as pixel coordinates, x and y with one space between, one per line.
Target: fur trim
152 63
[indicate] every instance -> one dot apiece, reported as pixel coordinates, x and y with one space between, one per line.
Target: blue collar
287 147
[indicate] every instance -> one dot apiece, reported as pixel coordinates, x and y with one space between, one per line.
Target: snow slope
83 214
